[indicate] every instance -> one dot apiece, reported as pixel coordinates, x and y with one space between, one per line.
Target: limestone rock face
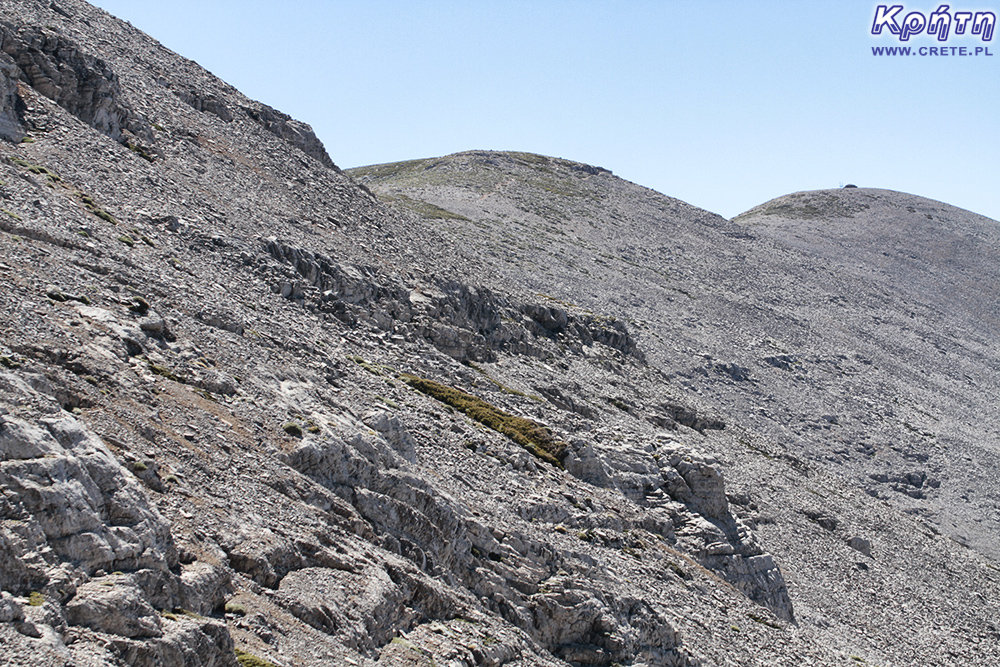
80 83
115 607
11 106
293 131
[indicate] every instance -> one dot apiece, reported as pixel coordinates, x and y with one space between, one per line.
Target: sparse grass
7 362
236 608
35 599
37 169
140 151
424 209
535 438
249 660
127 240
389 402
13 215
618 403
89 204
763 621
381 171
292 429
104 215
163 371
374 369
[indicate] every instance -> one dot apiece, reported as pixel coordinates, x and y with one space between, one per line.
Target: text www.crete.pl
931 51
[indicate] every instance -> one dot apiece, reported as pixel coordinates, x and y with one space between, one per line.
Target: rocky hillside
490 409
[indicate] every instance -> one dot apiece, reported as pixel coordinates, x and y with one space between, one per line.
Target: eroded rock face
11 106
295 132
115 607
90 510
70 513
80 83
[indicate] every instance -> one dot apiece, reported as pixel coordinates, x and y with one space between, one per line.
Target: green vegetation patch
163 371
292 429
534 437
425 209
236 608
250 660
763 621
88 202
37 169
810 206
140 151
390 170
374 369
36 599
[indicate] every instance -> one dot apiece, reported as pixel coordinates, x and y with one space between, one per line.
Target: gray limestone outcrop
80 83
11 105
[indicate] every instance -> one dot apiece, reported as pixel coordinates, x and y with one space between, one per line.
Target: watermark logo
942 24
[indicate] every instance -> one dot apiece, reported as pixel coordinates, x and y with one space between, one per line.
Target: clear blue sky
723 104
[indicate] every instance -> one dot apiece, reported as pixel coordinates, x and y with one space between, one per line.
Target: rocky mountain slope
490 409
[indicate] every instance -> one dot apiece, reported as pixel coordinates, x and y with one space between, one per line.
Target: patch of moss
236 608
127 240
534 437
172 479
374 369
13 215
763 621
37 169
425 209
36 599
139 466
139 305
164 372
292 429
249 660
620 404
140 151
389 402
88 202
